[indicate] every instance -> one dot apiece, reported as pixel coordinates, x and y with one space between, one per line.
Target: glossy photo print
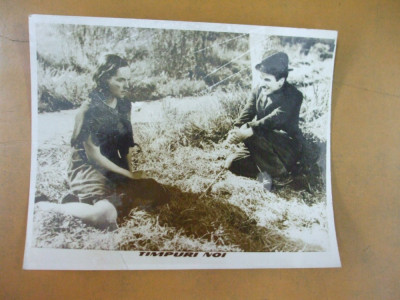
178 145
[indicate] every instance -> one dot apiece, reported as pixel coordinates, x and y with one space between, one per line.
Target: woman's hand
139 174
95 157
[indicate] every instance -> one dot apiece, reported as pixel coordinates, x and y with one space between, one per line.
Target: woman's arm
95 157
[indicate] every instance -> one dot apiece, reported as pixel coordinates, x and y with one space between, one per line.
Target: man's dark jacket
281 112
276 144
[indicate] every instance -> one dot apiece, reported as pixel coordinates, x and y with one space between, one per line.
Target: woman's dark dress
110 129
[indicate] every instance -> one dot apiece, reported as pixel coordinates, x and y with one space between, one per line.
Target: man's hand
238 135
239 153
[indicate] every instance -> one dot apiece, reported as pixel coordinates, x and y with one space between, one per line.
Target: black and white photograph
177 145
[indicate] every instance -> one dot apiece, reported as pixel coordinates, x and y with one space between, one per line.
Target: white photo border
69 259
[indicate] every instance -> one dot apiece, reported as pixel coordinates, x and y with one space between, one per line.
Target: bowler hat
274 62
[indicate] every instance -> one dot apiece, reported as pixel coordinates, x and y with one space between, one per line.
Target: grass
141 232
216 222
187 153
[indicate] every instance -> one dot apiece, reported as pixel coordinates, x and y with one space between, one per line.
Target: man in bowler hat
268 126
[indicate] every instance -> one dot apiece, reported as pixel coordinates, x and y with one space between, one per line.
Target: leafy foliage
174 63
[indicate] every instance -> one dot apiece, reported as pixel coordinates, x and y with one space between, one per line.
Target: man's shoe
282 182
265 180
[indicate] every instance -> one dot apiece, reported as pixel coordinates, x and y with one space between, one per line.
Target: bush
142 91
49 102
163 62
180 87
62 89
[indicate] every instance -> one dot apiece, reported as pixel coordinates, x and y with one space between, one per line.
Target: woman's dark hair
107 70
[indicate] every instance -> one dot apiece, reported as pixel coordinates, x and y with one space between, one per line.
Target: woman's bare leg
101 215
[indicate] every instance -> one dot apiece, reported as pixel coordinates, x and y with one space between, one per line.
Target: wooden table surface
365 155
